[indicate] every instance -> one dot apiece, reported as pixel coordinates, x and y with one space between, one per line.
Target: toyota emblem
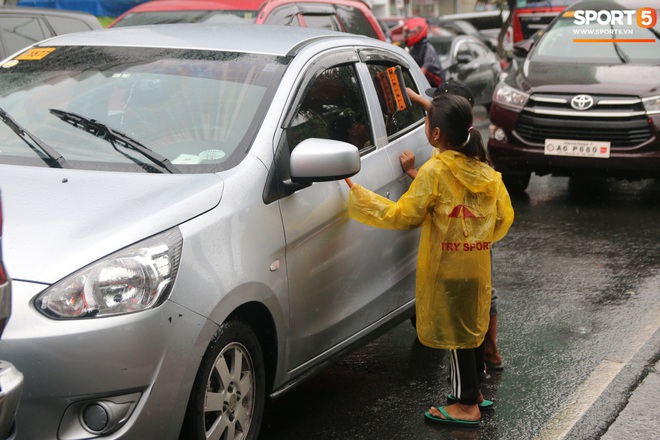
582 102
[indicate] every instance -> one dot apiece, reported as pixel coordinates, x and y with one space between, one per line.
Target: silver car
176 222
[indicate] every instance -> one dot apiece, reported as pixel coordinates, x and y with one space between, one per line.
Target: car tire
516 183
228 395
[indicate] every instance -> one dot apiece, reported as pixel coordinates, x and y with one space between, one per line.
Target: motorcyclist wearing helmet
415 36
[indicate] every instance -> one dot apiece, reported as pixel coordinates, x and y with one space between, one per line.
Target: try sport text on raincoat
463 208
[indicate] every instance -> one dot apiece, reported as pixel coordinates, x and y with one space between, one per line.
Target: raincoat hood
475 175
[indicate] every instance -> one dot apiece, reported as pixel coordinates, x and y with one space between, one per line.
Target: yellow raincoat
463 208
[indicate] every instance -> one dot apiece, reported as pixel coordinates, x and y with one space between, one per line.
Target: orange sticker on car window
35 53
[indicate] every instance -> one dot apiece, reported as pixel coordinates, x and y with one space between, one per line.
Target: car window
332 108
285 15
399 121
20 32
328 22
442 46
199 109
463 49
65 25
355 21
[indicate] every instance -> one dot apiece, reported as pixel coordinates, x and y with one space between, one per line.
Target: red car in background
531 16
189 11
351 16
395 25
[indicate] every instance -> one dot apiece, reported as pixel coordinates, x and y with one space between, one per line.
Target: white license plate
566 147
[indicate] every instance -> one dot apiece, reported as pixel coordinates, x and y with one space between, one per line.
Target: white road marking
561 424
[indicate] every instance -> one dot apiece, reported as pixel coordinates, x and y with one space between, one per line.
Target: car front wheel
227 399
516 183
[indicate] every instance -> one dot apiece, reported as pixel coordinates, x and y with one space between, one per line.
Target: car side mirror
323 160
522 48
463 58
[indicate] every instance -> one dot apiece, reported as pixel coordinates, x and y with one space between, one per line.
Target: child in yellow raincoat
463 208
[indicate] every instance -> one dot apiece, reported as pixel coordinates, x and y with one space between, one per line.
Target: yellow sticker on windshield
35 53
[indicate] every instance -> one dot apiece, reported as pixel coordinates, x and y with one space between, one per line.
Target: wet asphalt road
578 277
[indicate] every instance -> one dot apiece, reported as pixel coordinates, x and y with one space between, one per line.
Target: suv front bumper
517 152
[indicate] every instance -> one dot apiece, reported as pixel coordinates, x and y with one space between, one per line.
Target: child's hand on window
408 163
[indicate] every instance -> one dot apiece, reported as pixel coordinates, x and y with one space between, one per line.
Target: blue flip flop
449 420
486 404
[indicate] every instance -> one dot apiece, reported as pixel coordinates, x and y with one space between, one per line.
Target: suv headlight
510 97
133 279
652 105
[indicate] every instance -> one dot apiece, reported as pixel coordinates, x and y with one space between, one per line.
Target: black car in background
466 58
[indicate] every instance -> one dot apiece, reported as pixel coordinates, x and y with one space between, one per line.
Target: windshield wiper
619 52
107 133
32 141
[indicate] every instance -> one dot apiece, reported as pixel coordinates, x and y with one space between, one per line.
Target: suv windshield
617 47
198 110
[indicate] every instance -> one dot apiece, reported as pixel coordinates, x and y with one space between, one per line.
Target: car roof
270 5
282 40
193 5
276 3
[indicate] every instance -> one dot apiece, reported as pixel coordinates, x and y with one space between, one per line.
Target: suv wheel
227 399
516 183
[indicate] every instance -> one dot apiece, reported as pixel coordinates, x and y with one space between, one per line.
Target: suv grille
619 120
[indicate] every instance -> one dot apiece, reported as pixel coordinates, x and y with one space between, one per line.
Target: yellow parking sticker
35 53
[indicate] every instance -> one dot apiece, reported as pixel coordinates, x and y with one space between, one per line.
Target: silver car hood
58 221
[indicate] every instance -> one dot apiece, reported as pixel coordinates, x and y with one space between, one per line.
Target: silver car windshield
198 109
618 42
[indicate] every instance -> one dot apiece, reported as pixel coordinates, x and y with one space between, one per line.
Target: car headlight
652 105
133 279
508 96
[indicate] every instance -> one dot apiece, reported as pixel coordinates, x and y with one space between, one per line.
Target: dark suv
586 100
